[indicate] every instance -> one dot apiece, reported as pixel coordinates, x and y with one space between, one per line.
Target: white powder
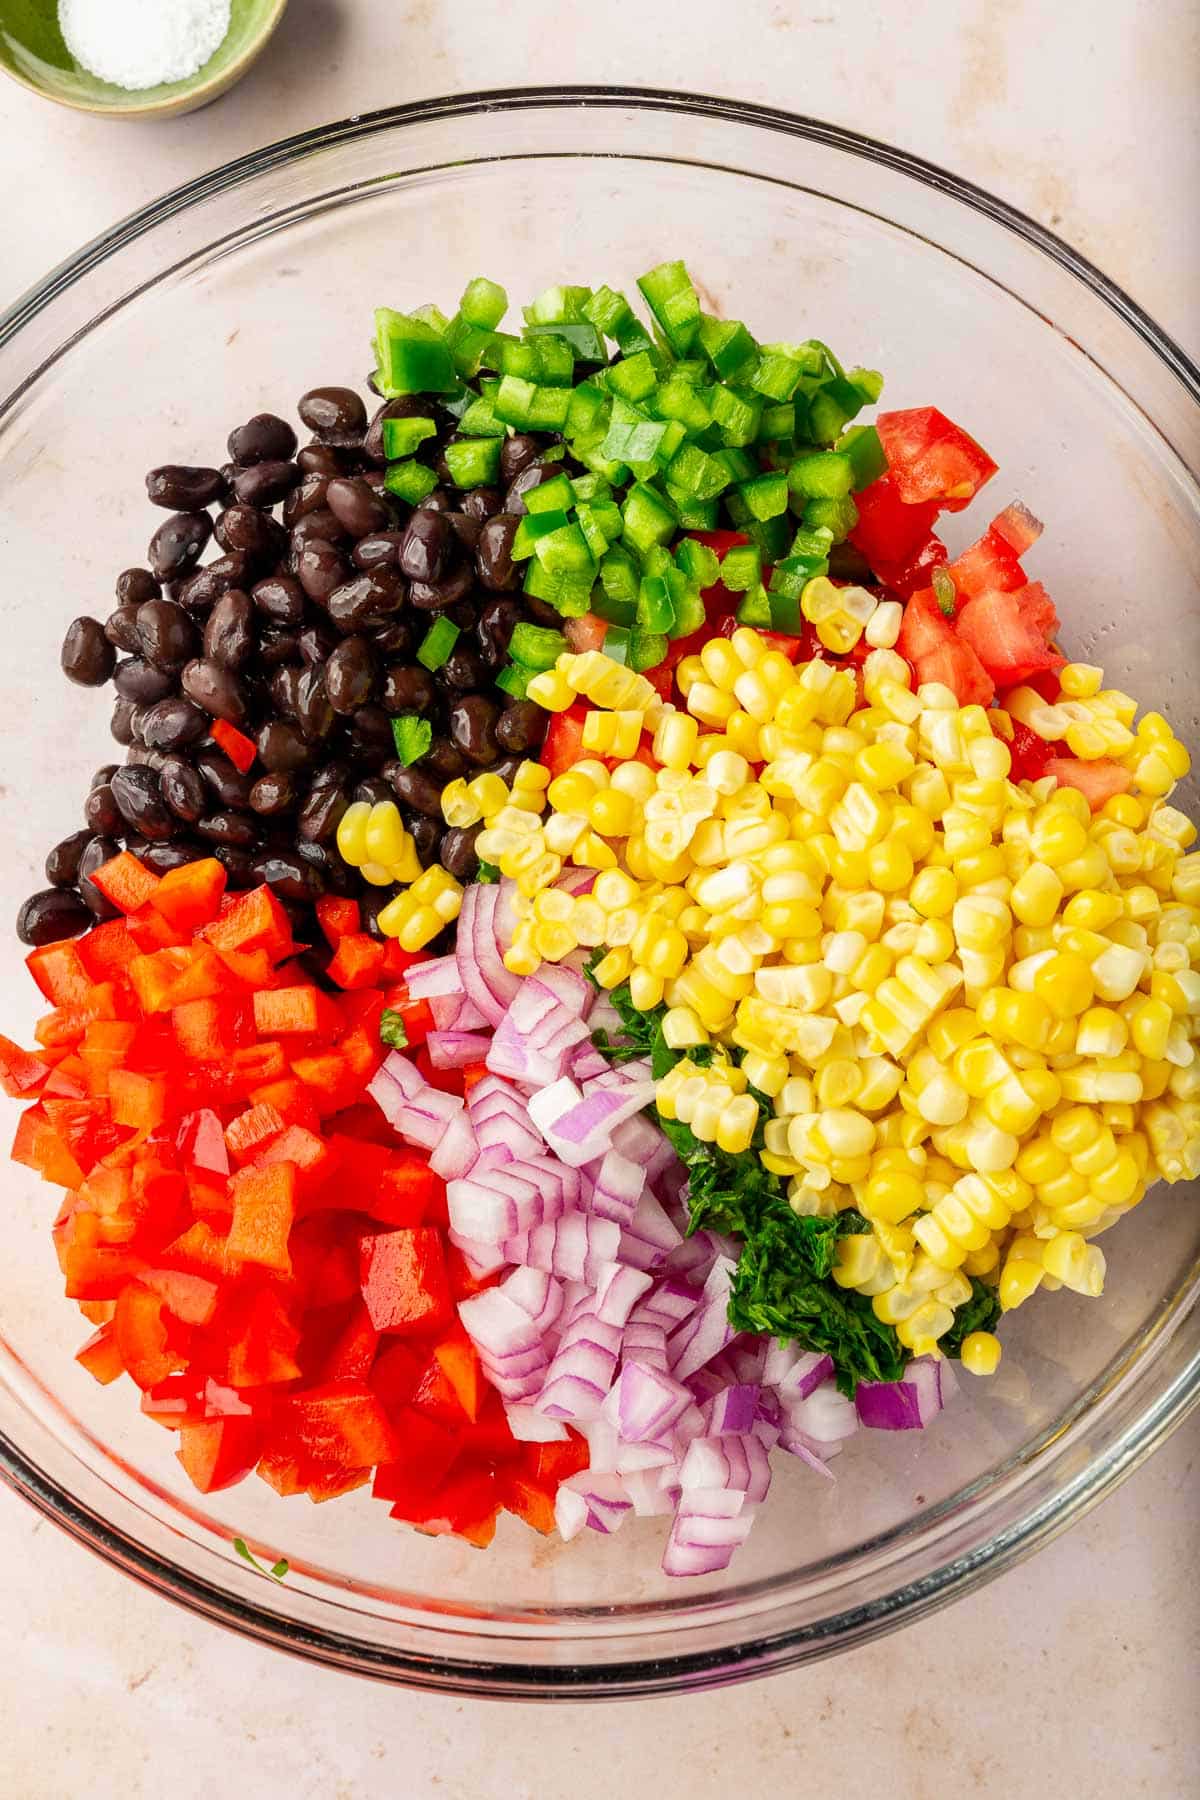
141 43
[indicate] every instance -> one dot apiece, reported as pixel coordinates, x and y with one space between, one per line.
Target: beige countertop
1076 1672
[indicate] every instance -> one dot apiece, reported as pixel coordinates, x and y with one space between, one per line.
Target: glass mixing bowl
243 289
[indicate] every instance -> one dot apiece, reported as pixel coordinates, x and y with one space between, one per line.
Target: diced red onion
579 1127
905 1405
596 1500
571 989
457 1151
502 1207
795 1373
618 1290
619 1184
454 1012
496 1324
536 1293
650 1237
736 1462
646 1344
455 1049
796 1444
649 1499
489 985
645 1403
435 978
824 1415
531 1427
482 1259
707 1332
732 1409
585 1062
576 881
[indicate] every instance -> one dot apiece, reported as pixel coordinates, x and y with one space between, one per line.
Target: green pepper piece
514 680
646 518
437 644
536 646
728 346
646 648
785 613
655 608
836 516
631 437
410 480
410 356
766 496
558 306
484 303
694 515
701 565
401 436
741 568
861 444
673 300
555 495
736 417
564 551
827 475
755 609
568 590
689 612
473 462
616 643
619 579
585 341
532 527
633 377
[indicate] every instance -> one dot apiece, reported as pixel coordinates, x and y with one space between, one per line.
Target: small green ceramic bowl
32 51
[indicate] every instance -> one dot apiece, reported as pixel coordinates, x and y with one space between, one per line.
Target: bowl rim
1133 1438
185 96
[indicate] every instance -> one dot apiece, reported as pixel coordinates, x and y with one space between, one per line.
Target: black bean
264 438
309 497
246 528
316 642
103 775
229 633
181 487
414 788
137 680
458 856
427 547
272 794
140 802
95 855
291 877
281 748
463 671
349 675
283 688
426 835
52 914
366 601
466 529
141 756
506 768
164 857
122 721
438 501
335 875
88 657
359 507
172 724
176 546
336 409
120 628
473 728
215 689
371 903
542 613
205 587
396 638
231 787
493 557
166 635
445 760
440 596
266 482
494 628
278 647
373 791
321 813
516 454
320 569
182 789
407 688
521 726
379 550
405 406
482 502
319 459
371 739
136 585
279 598
314 714
320 526
238 865
530 477
228 828
62 863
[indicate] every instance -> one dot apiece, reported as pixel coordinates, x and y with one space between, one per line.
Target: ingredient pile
611 954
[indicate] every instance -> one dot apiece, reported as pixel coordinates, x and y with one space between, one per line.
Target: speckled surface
1075 1673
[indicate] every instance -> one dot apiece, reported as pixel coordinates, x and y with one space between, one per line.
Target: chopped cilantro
488 873
412 737
277 1571
391 1029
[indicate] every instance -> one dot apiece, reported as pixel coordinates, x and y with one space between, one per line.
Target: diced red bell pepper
68 1080
393 1184
246 1135
125 881
253 968
59 972
153 974
21 1073
262 1338
264 1206
200 1141
342 1423
100 1356
930 458
338 918
289 1011
189 1297
107 949
142 1337
464 1506
404 1284
290 1098
436 1395
357 962
202 976
92 1269
38 1146
563 747
211 1030
464 1285
459 1363
313 1159
352 1352
253 921
427 1454
325 1256
395 1374
240 749
189 897
1097 781
330 1083
199 1250
491 1437
217 1453
137 1100
527 1501
177 1401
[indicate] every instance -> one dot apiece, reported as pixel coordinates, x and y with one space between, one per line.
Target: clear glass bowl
243 289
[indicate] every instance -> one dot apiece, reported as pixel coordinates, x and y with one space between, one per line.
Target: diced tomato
1097 781
1037 609
924 627
955 665
563 747
1031 754
585 633
930 459
989 563
1006 643
889 531
1018 527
